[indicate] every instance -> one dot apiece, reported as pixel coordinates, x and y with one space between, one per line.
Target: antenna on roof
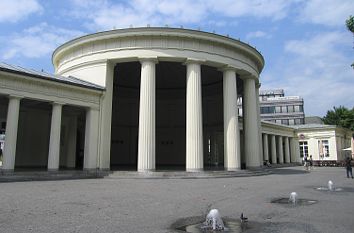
181 26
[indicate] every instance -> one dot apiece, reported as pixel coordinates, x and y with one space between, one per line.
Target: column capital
58 103
194 61
148 59
11 96
249 76
228 68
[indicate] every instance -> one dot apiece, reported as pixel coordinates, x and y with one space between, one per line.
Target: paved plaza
119 204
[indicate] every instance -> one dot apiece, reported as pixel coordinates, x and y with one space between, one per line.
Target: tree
340 116
350 23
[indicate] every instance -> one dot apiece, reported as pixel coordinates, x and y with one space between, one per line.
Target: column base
90 170
7 171
53 170
232 169
146 170
194 170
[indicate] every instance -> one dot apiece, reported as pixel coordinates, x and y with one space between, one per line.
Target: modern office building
280 109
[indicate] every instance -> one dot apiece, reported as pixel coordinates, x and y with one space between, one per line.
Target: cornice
100 39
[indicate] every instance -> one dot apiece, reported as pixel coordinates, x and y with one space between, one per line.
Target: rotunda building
169 98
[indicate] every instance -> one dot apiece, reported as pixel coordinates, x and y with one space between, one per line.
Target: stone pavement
153 205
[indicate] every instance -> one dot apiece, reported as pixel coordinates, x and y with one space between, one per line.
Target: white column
146 144
91 139
265 147
11 133
292 150
287 150
280 150
106 117
274 149
295 150
54 140
250 120
194 118
232 155
259 125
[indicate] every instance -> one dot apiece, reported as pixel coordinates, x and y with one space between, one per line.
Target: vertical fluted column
280 150
287 150
265 147
274 149
147 134
232 156
251 123
11 133
91 139
54 140
295 150
260 144
292 150
194 118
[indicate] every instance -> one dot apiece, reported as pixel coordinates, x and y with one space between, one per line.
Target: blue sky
306 46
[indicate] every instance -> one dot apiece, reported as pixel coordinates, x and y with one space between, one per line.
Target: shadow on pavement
288 171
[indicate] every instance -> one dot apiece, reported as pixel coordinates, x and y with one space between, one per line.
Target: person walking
348 166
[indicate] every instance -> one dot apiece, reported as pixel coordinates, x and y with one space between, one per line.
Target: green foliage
340 116
350 23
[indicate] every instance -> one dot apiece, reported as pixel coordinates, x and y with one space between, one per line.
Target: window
277 109
267 110
297 121
297 108
291 122
323 146
290 108
304 150
283 109
285 122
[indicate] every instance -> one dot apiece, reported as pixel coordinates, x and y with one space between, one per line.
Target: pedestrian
348 166
305 162
311 162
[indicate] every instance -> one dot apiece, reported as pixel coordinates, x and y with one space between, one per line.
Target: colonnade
194 119
256 144
91 136
278 149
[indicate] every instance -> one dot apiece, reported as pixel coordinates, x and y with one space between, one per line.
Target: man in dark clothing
348 166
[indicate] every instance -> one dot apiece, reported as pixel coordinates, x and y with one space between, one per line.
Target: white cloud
318 69
13 11
327 12
35 42
109 14
258 34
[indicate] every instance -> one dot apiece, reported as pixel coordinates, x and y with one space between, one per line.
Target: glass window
297 108
291 122
285 122
303 149
325 148
283 109
278 121
291 108
277 109
297 121
301 108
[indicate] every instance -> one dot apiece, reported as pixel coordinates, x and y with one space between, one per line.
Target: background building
280 109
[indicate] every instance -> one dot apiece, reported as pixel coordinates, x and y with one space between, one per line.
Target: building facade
325 143
141 98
